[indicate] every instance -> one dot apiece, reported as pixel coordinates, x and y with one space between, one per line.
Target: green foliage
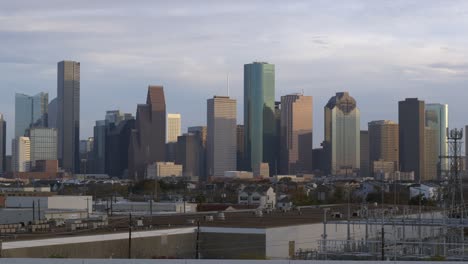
424 201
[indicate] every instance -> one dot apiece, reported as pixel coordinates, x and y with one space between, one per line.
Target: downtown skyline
379 63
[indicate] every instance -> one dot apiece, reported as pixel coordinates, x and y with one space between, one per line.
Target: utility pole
34 210
39 210
197 246
130 236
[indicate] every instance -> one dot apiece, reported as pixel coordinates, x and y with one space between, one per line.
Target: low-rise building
263 196
163 169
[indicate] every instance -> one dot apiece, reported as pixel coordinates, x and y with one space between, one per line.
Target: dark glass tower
68 115
411 120
260 139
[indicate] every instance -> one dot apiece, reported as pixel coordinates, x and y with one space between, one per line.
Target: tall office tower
437 118
240 147
43 144
147 142
173 127
259 115
383 142
117 144
431 157
364 149
52 114
342 134
21 154
99 149
3 136
200 133
30 111
221 143
87 155
411 133
115 117
68 115
296 134
188 149
466 148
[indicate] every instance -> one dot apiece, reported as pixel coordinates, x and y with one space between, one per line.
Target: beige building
430 154
222 138
21 154
384 142
296 134
163 169
173 127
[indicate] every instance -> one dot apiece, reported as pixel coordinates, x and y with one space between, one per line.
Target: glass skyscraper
436 117
260 139
30 111
342 134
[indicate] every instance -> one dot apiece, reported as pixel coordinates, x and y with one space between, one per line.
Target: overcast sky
379 51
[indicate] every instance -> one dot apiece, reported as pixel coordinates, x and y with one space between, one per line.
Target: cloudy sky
379 51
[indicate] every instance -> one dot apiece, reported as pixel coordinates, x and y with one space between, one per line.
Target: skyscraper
99 149
221 143
431 136
173 127
3 136
30 111
147 142
21 154
200 133
117 144
43 144
364 153
384 142
188 149
437 118
52 114
240 147
296 134
342 134
411 132
68 115
259 115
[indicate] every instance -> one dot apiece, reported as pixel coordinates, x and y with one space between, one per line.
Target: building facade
52 114
384 142
221 138
68 115
365 159
200 133
117 145
99 149
342 134
173 127
158 170
188 149
431 157
30 111
296 134
411 133
21 154
259 115
436 116
43 144
148 139
3 136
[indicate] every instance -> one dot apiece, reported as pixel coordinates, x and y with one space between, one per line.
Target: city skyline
366 59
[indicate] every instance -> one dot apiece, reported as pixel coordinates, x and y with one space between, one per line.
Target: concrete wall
52 202
173 246
232 243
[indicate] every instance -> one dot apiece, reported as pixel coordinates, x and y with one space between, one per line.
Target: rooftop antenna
227 84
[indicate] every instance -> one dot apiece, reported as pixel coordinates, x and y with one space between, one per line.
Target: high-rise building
173 127
52 114
147 142
342 134
384 142
259 115
365 159
296 134
43 144
21 154
240 147
30 111
117 144
188 149
437 118
3 136
221 143
431 136
68 115
200 133
99 149
411 133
